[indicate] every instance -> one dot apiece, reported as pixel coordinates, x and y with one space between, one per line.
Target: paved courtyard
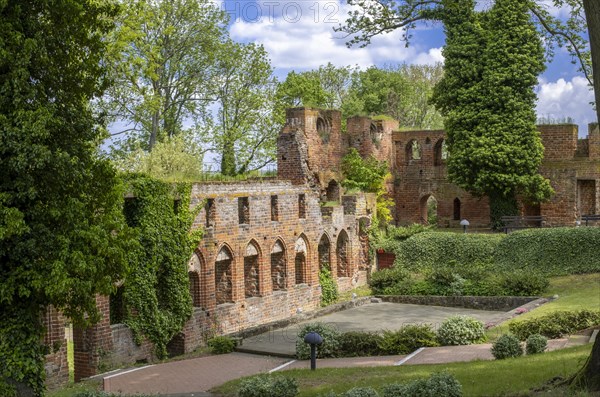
194 377
371 317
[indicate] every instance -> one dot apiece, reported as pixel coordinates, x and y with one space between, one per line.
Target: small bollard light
313 339
464 223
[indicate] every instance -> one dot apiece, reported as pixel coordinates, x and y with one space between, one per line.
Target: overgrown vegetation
221 344
329 291
268 386
156 293
368 175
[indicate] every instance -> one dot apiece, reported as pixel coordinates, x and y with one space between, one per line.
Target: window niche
274 208
243 210
211 212
302 206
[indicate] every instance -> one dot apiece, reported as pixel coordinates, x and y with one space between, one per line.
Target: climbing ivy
156 293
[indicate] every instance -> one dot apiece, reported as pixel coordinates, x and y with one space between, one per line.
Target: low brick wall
125 351
499 303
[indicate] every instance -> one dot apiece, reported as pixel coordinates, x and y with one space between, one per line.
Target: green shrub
536 343
429 250
407 339
524 283
221 344
360 392
329 291
387 278
552 251
507 346
446 281
460 330
556 324
268 386
359 344
439 384
331 341
94 393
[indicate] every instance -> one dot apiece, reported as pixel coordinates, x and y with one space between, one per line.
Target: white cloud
299 35
567 98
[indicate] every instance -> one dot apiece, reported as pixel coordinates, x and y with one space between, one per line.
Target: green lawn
574 292
479 378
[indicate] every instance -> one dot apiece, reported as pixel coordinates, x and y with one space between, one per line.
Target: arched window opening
278 271
324 253
456 209
413 150
251 271
428 206
342 255
194 278
223 277
440 152
324 129
300 264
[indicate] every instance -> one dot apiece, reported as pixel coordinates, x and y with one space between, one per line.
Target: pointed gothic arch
343 254
224 275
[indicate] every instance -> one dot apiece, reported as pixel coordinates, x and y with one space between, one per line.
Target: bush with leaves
524 283
221 344
329 347
360 392
407 339
507 346
426 251
386 278
438 384
329 290
268 386
552 251
556 324
536 344
359 344
368 176
461 330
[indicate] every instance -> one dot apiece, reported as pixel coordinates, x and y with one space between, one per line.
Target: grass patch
574 292
478 378
360 292
76 388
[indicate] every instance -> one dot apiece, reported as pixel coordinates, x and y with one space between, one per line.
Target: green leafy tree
487 97
368 176
62 235
178 158
402 93
245 131
160 58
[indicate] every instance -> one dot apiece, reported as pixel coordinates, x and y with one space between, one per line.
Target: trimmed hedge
427 250
553 251
555 324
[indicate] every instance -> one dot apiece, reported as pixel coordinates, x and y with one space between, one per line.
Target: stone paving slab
186 376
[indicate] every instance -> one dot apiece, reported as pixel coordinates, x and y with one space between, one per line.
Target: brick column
93 343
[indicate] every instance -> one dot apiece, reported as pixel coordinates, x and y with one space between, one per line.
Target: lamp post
313 339
464 223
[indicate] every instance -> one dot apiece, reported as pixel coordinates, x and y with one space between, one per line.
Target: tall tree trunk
228 159
592 15
589 376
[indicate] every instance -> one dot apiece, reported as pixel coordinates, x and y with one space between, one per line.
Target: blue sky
298 35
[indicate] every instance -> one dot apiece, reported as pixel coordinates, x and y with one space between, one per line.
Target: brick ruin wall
265 240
